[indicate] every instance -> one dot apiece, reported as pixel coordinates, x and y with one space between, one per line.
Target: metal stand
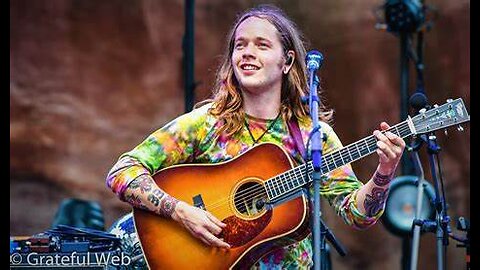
405 18
188 55
464 225
420 190
314 61
441 223
407 168
319 229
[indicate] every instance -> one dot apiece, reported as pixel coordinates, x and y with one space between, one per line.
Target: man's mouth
249 67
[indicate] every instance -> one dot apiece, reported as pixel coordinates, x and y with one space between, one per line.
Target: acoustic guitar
257 196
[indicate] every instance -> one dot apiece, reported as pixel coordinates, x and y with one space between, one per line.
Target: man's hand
390 149
200 224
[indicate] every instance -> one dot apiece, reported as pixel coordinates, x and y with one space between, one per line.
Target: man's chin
252 87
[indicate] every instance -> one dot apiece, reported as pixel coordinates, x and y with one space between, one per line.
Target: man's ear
290 59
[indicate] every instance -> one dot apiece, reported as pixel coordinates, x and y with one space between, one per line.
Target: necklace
255 141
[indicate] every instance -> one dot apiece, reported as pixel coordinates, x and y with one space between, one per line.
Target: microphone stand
331 238
416 145
316 136
319 229
420 188
440 225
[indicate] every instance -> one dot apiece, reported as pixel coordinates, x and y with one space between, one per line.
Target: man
257 99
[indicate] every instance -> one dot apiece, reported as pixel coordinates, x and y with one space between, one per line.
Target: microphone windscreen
314 59
418 101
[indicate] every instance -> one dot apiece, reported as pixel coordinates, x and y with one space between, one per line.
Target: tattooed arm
372 196
142 192
132 183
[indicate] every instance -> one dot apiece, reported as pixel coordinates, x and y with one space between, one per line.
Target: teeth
249 67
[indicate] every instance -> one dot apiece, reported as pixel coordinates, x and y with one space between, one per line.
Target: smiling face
258 59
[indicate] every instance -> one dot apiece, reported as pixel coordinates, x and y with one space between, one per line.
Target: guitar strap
297 136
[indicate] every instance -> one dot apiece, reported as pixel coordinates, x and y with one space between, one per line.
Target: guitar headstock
451 113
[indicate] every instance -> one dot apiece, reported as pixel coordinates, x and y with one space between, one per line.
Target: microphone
314 60
418 101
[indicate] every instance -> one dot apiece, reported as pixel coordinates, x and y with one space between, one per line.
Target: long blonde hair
227 99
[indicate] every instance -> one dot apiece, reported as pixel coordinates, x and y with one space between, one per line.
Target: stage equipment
402 203
464 226
67 247
404 15
314 60
404 18
79 213
188 48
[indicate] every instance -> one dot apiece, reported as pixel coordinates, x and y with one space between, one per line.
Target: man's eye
238 46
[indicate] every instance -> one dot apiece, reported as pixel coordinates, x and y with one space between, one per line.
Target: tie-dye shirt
192 138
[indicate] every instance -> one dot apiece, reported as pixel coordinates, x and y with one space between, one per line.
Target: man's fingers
386 150
384 126
394 138
382 155
212 227
389 138
214 241
216 220
381 137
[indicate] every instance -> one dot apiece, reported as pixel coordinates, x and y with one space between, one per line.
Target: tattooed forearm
374 202
159 193
141 183
153 199
168 206
143 193
135 201
381 180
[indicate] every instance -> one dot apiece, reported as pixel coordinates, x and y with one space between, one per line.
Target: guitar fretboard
291 180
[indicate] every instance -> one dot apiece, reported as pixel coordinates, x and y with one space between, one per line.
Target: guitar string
278 180
255 191
334 155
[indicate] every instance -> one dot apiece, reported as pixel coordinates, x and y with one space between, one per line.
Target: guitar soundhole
250 199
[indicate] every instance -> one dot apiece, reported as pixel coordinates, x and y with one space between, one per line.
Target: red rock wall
90 79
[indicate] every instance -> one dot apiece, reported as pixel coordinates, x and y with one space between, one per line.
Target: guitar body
233 192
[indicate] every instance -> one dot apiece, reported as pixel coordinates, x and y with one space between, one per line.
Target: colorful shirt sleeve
174 143
341 185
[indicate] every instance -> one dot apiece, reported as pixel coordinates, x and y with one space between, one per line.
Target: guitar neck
291 180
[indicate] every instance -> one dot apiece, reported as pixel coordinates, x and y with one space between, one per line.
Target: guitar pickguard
238 231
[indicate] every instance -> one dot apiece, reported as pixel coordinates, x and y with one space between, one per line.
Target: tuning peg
459 128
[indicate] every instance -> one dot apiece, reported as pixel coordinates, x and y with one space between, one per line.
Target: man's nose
249 51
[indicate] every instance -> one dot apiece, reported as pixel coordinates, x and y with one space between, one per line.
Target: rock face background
90 79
